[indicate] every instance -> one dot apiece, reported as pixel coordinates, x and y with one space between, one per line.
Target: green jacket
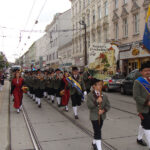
140 95
94 108
85 82
57 83
72 89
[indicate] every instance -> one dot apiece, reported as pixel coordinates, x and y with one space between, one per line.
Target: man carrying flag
75 90
146 37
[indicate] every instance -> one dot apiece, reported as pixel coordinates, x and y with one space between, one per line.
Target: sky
15 22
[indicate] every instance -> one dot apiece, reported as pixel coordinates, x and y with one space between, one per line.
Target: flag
146 37
75 84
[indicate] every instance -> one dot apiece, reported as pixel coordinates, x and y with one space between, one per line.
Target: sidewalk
4 117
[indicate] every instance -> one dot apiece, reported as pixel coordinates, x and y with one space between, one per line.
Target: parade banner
103 59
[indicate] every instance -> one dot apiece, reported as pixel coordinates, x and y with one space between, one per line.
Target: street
56 129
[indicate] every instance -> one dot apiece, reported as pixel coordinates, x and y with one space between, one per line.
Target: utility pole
85 43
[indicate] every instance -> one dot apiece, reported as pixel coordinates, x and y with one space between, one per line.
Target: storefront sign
135 52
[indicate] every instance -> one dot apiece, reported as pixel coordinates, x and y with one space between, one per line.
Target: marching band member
39 88
76 97
141 94
65 91
57 85
45 83
51 90
16 90
98 105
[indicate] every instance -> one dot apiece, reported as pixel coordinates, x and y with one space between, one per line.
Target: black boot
141 142
94 146
40 106
76 117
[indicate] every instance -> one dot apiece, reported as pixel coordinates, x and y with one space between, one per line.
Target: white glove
85 93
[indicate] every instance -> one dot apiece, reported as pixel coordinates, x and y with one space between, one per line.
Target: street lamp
85 46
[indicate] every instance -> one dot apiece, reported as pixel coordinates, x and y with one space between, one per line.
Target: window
106 35
80 45
116 31
93 16
99 12
83 3
125 27
99 36
93 37
88 20
106 8
53 56
80 6
116 4
125 1
88 42
136 23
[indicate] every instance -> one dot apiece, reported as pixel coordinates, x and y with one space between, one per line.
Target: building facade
59 33
95 14
128 24
119 21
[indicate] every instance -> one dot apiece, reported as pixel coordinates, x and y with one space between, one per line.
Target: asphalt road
56 129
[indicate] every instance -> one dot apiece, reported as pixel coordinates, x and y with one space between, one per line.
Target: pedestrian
65 91
76 97
2 78
141 94
16 89
98 105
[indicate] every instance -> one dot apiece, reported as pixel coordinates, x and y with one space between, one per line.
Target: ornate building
120 21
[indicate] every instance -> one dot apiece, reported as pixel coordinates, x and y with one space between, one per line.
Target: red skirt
18 95
65 98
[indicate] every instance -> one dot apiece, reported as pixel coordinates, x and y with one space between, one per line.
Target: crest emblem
148 24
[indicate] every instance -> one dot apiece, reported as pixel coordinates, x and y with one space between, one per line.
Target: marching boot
94 144
52 98
147 135
75 112
39 102
98 145
58 101
140 136
18 111
141 142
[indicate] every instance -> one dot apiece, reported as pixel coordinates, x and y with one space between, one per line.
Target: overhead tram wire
26 22
36 21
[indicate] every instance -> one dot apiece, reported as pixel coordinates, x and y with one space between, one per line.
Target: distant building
60 34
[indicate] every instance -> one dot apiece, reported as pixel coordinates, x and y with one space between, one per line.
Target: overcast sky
14 15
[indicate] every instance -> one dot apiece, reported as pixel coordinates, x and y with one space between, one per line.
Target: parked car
113 83
127 83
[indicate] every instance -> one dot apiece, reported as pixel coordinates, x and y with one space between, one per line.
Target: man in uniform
141 94
57 85
76 97
86 81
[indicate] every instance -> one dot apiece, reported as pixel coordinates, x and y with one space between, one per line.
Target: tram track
32 134
106 145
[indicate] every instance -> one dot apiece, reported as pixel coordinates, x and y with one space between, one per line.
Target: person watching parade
141 94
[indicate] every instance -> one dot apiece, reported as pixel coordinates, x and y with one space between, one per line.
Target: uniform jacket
94 108
73 90
86 83
140 95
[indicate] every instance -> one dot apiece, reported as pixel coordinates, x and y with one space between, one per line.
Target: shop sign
135 52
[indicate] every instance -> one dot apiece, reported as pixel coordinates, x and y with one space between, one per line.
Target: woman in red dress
66 96
16 90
